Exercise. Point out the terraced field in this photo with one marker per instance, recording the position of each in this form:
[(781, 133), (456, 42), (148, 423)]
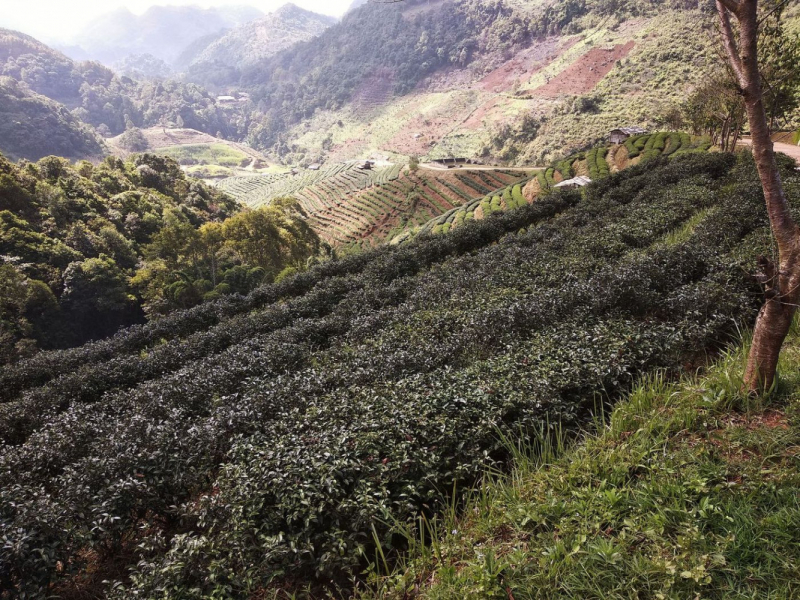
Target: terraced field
[(348, 206), (596, 163)]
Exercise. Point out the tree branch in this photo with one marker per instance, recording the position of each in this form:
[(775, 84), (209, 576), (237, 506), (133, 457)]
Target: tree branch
[(729, 40), (731, 5)]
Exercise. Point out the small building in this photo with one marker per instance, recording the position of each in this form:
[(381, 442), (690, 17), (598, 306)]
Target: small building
[(618, 136), (576, 182), (367, 166), (314, 167), (226, 100), (452, 163)]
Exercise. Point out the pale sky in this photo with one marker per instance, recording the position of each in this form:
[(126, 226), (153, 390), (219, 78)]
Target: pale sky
[(59, 20)]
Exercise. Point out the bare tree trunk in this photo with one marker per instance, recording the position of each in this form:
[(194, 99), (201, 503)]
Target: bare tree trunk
[(782, 284)]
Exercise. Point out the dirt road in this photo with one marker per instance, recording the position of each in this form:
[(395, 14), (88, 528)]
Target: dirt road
[(431, 167), (787, 149)]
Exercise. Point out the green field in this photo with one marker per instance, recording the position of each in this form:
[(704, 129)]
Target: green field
[(206, 154)]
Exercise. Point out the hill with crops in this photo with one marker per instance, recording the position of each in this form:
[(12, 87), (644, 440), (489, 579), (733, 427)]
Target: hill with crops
[(596, 163), (351, 207), (267, 443), (511, 81)]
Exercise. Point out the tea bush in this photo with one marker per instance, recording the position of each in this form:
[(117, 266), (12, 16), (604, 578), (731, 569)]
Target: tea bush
[(277, 443)]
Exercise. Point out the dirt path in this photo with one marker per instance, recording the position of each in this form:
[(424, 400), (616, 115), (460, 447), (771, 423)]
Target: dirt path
[(787, 149), (430, 167)]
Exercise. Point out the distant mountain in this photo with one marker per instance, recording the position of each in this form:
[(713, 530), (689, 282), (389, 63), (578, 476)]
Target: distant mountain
[(356, 4), (162, 31), (32, 126), (143, 66), (96, 95), (221, 61)]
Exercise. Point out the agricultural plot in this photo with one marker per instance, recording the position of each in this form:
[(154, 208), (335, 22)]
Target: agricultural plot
[(263, 443), (595, 163), (348, 206)]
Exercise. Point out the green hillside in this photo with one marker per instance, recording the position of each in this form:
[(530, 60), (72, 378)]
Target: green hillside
[(516, 81), (354, 208), (596, 163), (264, 443), (32, 126)]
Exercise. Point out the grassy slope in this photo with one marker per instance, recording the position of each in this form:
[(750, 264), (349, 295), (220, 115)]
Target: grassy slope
[(689, 491)]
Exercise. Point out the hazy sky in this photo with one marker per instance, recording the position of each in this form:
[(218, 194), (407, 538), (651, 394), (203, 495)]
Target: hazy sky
[(58, 20)]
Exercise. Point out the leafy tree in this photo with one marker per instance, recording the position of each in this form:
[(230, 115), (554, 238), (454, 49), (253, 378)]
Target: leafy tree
[(271, 237), (781, 281), (96, 297), (133, 140)]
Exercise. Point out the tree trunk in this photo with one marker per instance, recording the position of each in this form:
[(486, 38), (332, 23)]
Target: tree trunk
[(782, 284), (772, 327)]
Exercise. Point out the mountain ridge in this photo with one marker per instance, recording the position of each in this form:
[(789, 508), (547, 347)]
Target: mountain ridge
[(163, 31), (242, 47)]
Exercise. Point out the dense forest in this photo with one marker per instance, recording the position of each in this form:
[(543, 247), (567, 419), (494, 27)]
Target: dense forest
[(33, 126), (267, 442), (87, 249)]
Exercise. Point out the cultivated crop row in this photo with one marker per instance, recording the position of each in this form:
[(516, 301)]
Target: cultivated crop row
[(289, 450)]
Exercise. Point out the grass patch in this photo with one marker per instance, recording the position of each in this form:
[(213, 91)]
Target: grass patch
[(688, 490), (209, 171), (206, 154)]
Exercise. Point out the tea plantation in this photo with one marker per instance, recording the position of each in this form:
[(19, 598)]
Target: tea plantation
[(267, 442)]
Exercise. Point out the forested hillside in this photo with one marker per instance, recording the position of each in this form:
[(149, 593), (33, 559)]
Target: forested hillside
[(222, 61), (325, 73), (110, 103), (264, 443), (32, 126), (471, 65), (87, 249)]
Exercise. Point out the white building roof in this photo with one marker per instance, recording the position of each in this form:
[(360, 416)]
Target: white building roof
[(580, 181), (630, 130)]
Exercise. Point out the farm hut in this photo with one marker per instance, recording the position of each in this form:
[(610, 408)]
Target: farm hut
[(367, 166), (618, 136), (314, 167), (453, 162), (577, 182)]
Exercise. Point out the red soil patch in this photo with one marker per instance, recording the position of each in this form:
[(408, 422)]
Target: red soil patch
[(475, 120), (584, 74), (524, 64)]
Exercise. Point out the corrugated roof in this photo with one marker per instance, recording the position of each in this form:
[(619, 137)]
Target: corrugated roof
[(630, 130), (579, 181)]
